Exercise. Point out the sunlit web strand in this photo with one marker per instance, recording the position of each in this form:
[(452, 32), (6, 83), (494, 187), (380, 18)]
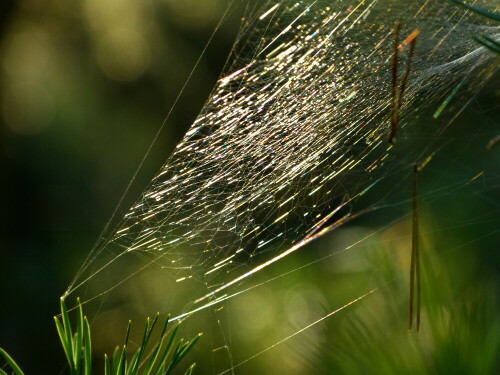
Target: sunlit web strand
[(300, 331), (293, 130)]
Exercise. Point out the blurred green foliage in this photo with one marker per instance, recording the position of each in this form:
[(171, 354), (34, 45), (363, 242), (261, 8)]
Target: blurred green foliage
[(84, 87)]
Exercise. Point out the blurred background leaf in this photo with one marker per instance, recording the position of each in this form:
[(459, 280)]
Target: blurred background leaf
[(84, 87)]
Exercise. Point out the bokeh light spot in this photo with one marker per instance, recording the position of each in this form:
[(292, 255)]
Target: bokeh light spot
[(27, 108), (123, 55)]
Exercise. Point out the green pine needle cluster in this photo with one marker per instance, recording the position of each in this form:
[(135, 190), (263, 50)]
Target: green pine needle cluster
[(165, 355), (485, 40)]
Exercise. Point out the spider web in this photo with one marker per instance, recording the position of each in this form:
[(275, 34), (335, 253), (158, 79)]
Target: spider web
[(293, 141)]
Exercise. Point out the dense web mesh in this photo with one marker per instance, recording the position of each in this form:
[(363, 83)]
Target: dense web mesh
[(292, 138)]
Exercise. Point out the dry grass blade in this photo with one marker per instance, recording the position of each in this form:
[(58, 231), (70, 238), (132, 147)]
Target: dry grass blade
[(394, 93), (397, 97), (415, 282)]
